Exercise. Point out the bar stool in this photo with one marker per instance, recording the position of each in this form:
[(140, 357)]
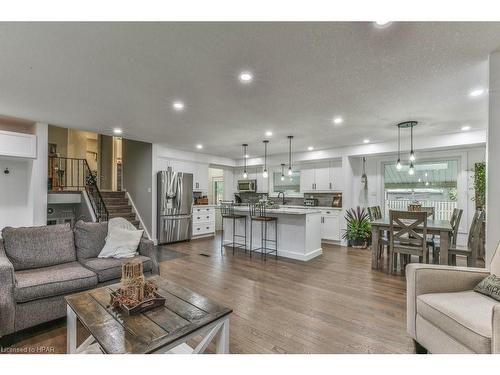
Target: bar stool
[(227, 212), (258, 213)]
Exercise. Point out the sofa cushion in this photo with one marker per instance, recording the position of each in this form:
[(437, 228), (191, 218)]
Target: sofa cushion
[(465, 316), (111, 268), (52, 281), (34, 247), (89, 238)]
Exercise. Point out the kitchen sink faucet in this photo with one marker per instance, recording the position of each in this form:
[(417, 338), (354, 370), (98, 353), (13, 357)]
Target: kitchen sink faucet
[(283, 197)]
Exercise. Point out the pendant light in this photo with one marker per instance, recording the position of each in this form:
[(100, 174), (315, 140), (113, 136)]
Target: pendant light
[(282, 171), (290, 137), (412, 153), (245, 174), (406, 125), (265, 174), (398, 164)]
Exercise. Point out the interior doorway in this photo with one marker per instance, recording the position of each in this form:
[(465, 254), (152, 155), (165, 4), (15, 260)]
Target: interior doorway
[(216, 192)]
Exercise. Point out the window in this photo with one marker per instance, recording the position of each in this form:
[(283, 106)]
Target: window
[(290, 185), (434, 184)]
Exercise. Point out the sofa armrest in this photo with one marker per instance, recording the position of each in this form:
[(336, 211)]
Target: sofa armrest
[(495, 334), (148, 249), (430, 278), (7, 303)]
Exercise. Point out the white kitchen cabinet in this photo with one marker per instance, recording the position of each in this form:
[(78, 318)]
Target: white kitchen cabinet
[(330, 225), (262, 183), (198, 170), (307, 179), (337, 178), (321, 177), (17, 144), (200, 177), (203, 221)]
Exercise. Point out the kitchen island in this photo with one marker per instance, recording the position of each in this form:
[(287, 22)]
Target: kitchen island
[(299, 231)]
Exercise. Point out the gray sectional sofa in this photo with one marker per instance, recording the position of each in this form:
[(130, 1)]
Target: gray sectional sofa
[(40, 265)]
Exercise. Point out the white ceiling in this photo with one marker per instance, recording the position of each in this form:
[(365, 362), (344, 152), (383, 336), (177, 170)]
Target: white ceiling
[(96, 76)]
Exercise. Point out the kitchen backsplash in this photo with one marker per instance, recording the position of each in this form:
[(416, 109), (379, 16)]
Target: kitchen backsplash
[(324, 199)]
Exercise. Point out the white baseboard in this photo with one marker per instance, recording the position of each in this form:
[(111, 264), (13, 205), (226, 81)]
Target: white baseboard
[(292, 255)]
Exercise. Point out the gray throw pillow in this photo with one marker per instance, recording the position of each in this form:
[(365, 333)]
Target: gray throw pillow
[(490, 287)]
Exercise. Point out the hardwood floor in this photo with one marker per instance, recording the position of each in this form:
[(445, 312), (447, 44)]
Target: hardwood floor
[(332, 304)]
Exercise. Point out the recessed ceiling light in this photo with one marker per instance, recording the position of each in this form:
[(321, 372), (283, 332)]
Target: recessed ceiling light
[(199, 147), (338, 120), (117, 131), (366, 141), (310, 148), (246, 77), (382, 24), (476, 93), (178, 105), (269, 133), (465, 128)]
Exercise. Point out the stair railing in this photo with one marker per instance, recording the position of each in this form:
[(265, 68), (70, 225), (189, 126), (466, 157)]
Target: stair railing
[(72, 174)]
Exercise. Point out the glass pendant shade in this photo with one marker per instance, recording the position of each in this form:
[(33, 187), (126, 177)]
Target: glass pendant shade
[(412, 156), (411, 171), (398, 165), (245, 155), (265, 174), (282, 172), (290, 171)]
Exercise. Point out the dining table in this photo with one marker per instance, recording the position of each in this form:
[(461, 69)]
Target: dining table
[(441, 228)]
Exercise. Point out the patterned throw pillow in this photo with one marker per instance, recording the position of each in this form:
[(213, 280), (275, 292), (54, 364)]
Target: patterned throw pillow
[(490, 286)]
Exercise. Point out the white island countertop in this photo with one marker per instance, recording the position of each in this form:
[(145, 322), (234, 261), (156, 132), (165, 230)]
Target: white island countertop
[(282, 210)]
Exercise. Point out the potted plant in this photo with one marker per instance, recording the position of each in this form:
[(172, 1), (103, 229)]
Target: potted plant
[(358, 230)]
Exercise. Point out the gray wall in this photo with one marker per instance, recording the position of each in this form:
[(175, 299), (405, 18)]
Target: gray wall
[(105, 162), (137, 170)]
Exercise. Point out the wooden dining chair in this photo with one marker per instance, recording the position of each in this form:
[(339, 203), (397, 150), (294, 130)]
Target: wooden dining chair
[(431, 211), (455, 219), (375, 213), (473, 242), (407, 237)]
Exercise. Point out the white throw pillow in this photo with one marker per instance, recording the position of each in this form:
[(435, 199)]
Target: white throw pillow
[(122, 240)]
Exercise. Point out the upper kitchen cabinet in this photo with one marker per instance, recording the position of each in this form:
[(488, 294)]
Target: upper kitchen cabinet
[(200, 177), (17, 144), (199, 171), (321, 177)]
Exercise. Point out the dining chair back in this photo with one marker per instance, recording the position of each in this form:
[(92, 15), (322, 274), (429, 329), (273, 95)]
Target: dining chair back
[(474, 232), (456, 216), (374, 213), (431, 211), (407, 236)]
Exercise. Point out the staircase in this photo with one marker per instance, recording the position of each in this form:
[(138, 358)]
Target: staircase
[(118, 205)]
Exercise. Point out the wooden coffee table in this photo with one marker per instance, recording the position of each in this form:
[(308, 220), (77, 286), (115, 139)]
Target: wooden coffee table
[(165, 329)]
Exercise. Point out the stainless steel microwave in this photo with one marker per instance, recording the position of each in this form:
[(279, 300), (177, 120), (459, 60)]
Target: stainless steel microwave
[(247, 186)]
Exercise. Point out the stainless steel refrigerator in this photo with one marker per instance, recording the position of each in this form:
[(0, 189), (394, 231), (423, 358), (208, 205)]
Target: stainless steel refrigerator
[(175, 201)]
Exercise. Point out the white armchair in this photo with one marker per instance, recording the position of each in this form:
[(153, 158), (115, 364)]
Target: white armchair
[(445, 315)]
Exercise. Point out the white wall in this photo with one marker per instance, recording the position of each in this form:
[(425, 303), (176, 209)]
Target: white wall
[(23, 192), (493, 157)]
